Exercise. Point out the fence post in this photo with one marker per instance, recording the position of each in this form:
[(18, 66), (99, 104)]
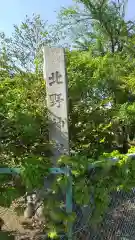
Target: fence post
[(69, 202)]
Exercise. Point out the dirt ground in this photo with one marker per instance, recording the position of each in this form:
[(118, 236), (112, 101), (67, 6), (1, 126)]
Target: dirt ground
[(16, 227)]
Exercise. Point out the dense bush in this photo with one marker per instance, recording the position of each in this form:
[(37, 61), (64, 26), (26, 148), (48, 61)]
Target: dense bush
[(101, 83), (101, 100), (24, 127)]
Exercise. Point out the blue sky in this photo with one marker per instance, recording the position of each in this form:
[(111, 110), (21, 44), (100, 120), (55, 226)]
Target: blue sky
[(14, 11)]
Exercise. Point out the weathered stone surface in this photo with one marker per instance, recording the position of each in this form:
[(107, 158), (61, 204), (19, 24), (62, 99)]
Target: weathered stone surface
[(57, 99)]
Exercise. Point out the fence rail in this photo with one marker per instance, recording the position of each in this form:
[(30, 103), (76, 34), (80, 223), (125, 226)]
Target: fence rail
[(121, 211)]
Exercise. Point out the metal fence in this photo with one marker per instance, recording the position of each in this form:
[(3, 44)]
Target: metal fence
[(15, 228), (118, 223)]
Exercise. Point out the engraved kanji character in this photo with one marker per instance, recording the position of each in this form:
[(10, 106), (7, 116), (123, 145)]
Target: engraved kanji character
[(55, 99), (55, 78)]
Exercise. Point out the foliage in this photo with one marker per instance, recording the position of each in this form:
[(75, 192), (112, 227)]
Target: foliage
[(101, 103), (97, 25), (24, 144), (101, 108), (100, 91), (24, 47), (95, 181), (23, 125)]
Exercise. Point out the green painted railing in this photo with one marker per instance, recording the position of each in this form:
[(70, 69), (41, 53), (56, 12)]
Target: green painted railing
[(65, 171)]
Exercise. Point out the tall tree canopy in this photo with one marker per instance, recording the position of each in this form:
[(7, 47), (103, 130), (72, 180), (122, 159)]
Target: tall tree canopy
[(24, 48), (99, 25), (101, 82)]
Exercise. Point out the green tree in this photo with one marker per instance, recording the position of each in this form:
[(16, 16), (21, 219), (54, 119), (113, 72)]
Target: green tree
[(98, 25), (101, 91), (24, 47), (23, 121), (109, 38), (101, 100)]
